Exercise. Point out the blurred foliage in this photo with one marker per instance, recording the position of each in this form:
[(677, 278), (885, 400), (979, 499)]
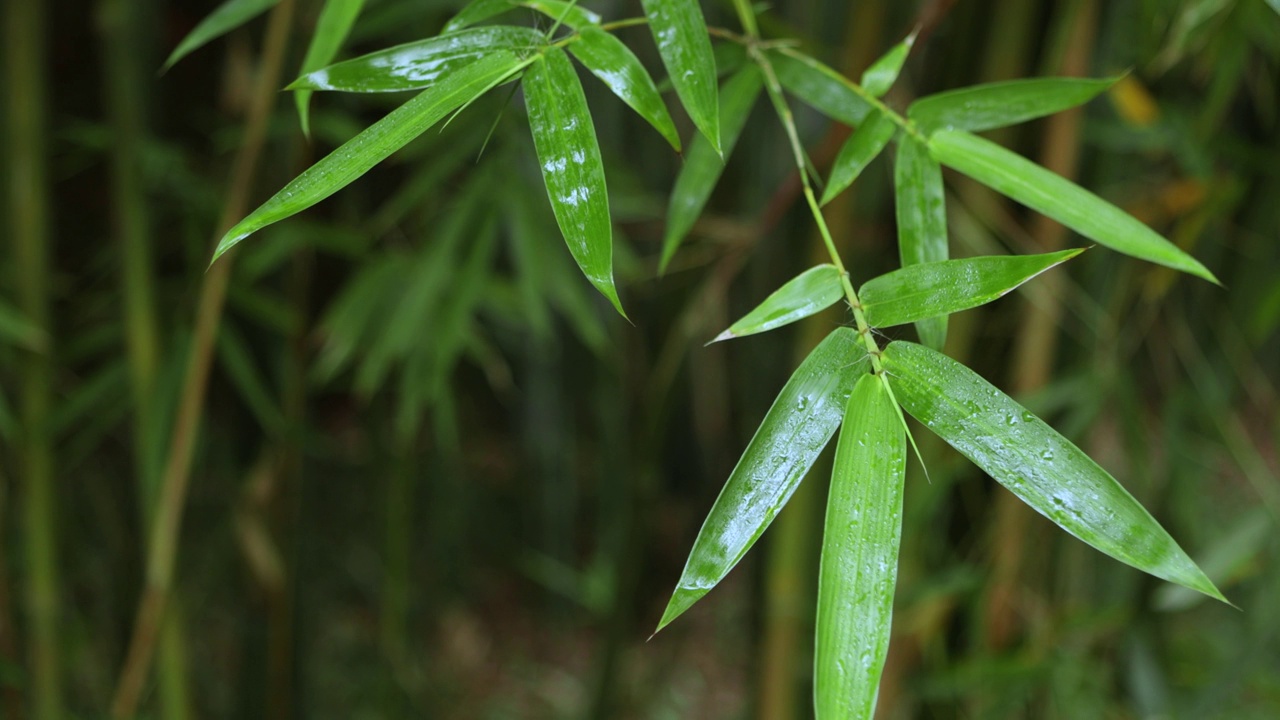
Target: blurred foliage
[(437, 477)]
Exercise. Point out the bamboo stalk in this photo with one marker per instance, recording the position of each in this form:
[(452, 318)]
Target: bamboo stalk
[(28, 195), (173, 489)]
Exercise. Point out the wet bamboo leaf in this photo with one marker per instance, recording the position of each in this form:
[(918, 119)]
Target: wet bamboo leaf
[(1034, 462), (922, 221), (569, 14), (803, 418), (685, 48), (1275, 5), (332, 27), (376, 143), (808, 293), (613, 62), (1046, 192), (571, 166), (820, 87), (858, 151), (859, 568), (994, 105), (419, 65), (226, 17), (477, 11), (702, 165), (919, 292), (884, 72)]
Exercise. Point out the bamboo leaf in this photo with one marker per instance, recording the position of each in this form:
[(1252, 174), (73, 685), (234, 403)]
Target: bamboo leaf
[(994, 105), (477, 11), (685, 48), (1034, 462), (859, 568), (419, 65), (571, 14), (808, 293), (703, 166), (355, 157), (820, 87), (803, 418), (332, 27), (884, 72), (613, 62), (922, 221), (936, 289), (571, 166), (1046, 192), (16, 329), (858, 151), (226, 17)]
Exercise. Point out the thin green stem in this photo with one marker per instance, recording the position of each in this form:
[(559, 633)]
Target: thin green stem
[(747, 16)]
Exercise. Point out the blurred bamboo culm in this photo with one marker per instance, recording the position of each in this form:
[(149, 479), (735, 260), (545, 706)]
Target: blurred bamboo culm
[(28, 212)]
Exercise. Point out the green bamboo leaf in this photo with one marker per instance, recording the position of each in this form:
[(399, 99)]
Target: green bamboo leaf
[(332, 27), (919, 292), (571, 166), (613, 62), (226, 17), (820, 87), (477, 11), (857, 152), (884, 72), (685, 48), (859, 568), (419, 65), (1040, 466), (17, 330), (703, 165), (1046, 192), (570, 14), (994, 105), (795, 430), (1275, 5), (808, 293), (922, 221), (355, 157)]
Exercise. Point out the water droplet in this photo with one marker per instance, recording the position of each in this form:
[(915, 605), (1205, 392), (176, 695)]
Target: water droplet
[(1046, 455)]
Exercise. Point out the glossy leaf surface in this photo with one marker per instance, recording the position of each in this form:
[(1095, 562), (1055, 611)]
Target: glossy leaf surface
[(808, 293), (803, 418), (226, 17), (355, 157), (863, 146), (477, 11), (336, 19), (565, 139), (994, 105), (569, 14), (918, 292), (922, 221), (419, 65), (1034, 462), (1011, 174), (878, 78), (613, 62), (859, 568), (685, 48), (702, 165), (819, 86)]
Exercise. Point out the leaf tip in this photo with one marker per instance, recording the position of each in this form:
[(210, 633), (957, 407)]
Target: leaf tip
[(726, 335)]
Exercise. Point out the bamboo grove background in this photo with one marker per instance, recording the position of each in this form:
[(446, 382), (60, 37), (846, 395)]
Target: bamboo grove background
[(433, 475)]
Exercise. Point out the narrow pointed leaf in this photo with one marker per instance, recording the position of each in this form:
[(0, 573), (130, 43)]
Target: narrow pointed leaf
[(1046, 192), (477, 11), (884, 72), (795, 430), (808, 293), (685, 48), (355, 157), (613, 62), (936, 289), (863, 146), (1040, 466), (994, 105), (820, 87), (571, 166), (226, 17), (702, 165), (419, 65), (571, 15), (332, 27), (922, 221), (859, 568)]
